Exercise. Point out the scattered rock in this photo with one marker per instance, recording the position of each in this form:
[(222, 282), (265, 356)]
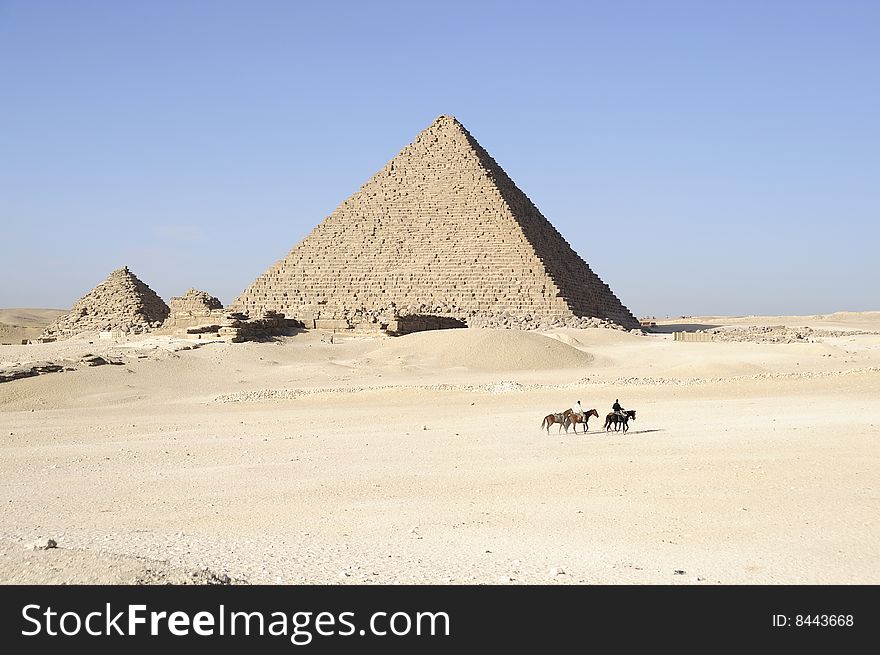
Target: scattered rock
[(42, 544), (93, 360)]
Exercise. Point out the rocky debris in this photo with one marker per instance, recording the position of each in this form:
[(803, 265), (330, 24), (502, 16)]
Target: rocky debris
[(208, 577), (507, 386), (98, 360), (117, 356), (28, 370), (42, 561), (555, 571), (270, 325), (235, 327), (531, 322), (776, 334), (41, 544), (121, 303)]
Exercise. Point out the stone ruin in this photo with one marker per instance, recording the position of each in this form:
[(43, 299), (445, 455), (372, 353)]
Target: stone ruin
[(195, 303), (192, 309), (440, 237), (222, 325), (198, 314), (120, 303)]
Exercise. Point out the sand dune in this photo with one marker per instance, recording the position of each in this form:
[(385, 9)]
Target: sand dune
[(29, 317), (485, 350), (16, 325)]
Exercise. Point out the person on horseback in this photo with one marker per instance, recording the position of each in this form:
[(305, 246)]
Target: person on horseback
[(579, 409), (617, 409)]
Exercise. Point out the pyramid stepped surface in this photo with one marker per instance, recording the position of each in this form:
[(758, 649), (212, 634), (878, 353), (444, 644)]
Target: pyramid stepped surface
[(121, 302), (440, 229)]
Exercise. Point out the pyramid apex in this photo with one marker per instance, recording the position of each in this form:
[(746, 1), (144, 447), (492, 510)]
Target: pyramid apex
[(445, 119)]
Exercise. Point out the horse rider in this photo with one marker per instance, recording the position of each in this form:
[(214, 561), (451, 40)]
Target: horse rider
[(579, 410), (618, 409)]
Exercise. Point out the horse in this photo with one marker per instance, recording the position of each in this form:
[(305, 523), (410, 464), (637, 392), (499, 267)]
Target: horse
[(550, 419), (615, 419), (576, 417)]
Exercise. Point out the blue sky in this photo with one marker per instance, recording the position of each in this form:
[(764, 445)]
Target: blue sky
[(703, 157)]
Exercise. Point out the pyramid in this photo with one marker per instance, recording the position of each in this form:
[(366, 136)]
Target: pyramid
[(195, 302), (439, 230), (121, 302)]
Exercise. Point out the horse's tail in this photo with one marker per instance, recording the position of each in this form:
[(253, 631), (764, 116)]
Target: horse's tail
[(544, 422)]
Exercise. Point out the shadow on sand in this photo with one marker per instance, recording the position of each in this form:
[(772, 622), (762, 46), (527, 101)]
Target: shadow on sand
[(628, 432)]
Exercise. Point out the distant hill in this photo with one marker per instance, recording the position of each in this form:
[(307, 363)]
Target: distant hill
[(17, 324)]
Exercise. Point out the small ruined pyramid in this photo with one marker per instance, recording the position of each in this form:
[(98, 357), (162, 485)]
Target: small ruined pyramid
[(195, 302), (121, 302), (440, 230)]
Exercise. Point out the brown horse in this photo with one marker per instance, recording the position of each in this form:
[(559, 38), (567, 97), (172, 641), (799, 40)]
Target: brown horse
[(550, 419), (574, 418), (616, 420)]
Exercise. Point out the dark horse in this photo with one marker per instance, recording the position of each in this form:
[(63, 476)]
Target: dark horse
[(616, 420), (574, 418)]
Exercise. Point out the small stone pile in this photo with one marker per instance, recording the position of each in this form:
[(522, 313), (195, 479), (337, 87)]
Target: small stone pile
[(121, 302), (192, 309)]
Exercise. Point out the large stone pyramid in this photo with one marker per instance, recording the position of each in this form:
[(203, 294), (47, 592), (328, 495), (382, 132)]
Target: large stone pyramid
[(121, 302), (440, 230)]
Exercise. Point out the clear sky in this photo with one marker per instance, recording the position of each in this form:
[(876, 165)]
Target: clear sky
[(704, 156)]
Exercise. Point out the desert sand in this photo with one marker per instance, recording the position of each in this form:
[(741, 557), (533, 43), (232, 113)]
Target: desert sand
[(16, 325), (419, 459)]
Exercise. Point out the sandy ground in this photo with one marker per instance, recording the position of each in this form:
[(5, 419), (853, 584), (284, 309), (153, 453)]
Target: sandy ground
[(19, 324), (420, 459)]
